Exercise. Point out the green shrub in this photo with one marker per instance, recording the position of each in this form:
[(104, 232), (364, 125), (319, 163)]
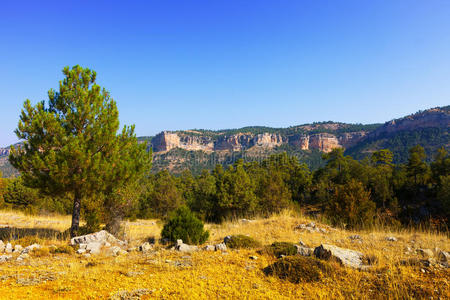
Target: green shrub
[(183, 224), (298, 269), (62, 249), (281, 248), (242, 241), (351, 206)]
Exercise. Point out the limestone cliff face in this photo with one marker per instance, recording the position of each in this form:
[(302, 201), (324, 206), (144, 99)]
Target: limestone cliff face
[(349, 139), (325, 142), (166, 141), (435, 117)]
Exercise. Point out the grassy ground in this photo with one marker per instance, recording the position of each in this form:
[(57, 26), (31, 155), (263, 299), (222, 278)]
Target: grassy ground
[(209, 275)]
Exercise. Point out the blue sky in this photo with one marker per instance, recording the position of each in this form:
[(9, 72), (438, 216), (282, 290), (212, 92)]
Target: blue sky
[(227, 64)]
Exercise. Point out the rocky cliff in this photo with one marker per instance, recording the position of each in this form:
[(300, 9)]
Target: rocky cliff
[(432, 118), (325, 142)]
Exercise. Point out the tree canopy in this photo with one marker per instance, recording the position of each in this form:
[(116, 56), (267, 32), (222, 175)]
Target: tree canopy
[(72, 146)]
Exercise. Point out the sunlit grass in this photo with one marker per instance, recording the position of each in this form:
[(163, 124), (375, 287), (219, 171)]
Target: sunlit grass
[(234, 275)]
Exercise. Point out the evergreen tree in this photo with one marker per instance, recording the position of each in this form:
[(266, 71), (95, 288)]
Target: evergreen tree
[(72, 146), (417, 168)]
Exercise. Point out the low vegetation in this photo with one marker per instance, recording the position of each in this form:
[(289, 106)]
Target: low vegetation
[(298, 269), (246, 273), (185, 226)]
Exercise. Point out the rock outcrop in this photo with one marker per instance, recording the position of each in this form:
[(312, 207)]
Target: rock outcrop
[(435, 117), (347, 257), (325, 142)]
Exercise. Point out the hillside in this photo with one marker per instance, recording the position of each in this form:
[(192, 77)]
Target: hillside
[(407, 264), (199, 149)]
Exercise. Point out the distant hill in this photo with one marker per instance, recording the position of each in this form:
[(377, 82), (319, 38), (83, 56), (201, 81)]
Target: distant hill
[(199, 149)]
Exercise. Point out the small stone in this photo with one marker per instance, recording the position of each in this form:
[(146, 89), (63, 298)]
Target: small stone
[(186, 248), (423, 270), (209, 248), (4, 258), (18, 248), (145, 247), (304, 251), (355, 237), (22, 256), (220, 247), (444, 256), (253, 257), (8, 248), (390, 239), (425, 252)]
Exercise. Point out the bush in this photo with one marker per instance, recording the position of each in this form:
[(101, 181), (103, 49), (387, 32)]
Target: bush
[(298, 269), (40, 252), (242, 241), (62, 249), (281, 248), (351, 206), (183, 224)]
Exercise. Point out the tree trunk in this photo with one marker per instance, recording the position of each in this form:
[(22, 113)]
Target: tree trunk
[(75, 215)]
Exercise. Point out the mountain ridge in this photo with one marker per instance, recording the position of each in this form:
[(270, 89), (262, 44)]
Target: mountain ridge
[(195, 149)]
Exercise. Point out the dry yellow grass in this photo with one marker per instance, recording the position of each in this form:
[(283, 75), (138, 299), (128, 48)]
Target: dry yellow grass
[(214, 275)]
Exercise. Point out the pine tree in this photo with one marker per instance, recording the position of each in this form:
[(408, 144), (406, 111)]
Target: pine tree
[(72, 147)]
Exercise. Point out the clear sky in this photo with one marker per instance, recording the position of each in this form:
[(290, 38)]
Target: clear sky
[(227, 64)]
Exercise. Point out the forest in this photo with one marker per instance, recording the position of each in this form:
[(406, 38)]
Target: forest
[(345, 192)]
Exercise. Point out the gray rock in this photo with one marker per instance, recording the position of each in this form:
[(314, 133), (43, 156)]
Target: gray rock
[(444, 256), (425, 252), (23, 256), (355, 237), (94, 247), (391, 238), (145, 247), (30, 248), (18, 248), (304, 251), (100, 237), (220, 247), (179, 242), (347, 257), (2, 246), (209, 248), (81, 250), (8, 248), (5, 258), (116, 250), (185, 248)]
